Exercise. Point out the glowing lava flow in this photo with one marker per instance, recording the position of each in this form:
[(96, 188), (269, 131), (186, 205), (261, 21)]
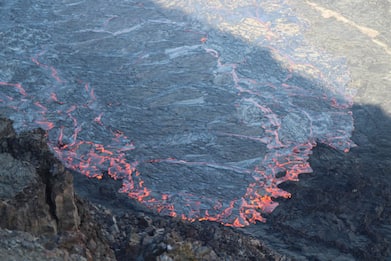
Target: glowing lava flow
[(273, 108), (93, 159)]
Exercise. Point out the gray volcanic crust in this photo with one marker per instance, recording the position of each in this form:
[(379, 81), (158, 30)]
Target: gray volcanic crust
[(199, 109)]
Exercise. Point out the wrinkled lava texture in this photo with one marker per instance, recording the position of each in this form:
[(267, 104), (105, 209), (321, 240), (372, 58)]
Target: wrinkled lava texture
[(201, 108)]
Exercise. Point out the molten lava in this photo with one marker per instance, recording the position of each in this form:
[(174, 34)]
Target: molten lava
[(267, 105)]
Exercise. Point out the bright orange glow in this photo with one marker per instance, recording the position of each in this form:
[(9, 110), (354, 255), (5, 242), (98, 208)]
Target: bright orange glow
[(45, 125), (55, 74), (17, 86), (237, 223), (203, 39)]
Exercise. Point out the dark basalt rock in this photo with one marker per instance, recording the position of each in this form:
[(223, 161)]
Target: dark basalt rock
[(37, 197)]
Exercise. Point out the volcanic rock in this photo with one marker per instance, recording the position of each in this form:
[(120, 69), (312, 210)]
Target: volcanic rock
[(40, 217), (43, 219)]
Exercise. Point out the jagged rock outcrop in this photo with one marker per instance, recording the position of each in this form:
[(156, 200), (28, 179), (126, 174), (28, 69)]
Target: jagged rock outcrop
[(37, 197)]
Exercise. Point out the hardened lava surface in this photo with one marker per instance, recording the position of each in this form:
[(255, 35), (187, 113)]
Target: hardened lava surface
[(200, 108)]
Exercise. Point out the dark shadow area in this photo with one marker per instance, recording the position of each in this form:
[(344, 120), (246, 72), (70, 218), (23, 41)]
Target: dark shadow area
[(341, 210), (343, 207)]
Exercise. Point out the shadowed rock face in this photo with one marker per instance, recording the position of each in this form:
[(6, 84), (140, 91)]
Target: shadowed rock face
[(37, 197), (15, 176), (38, 189)]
